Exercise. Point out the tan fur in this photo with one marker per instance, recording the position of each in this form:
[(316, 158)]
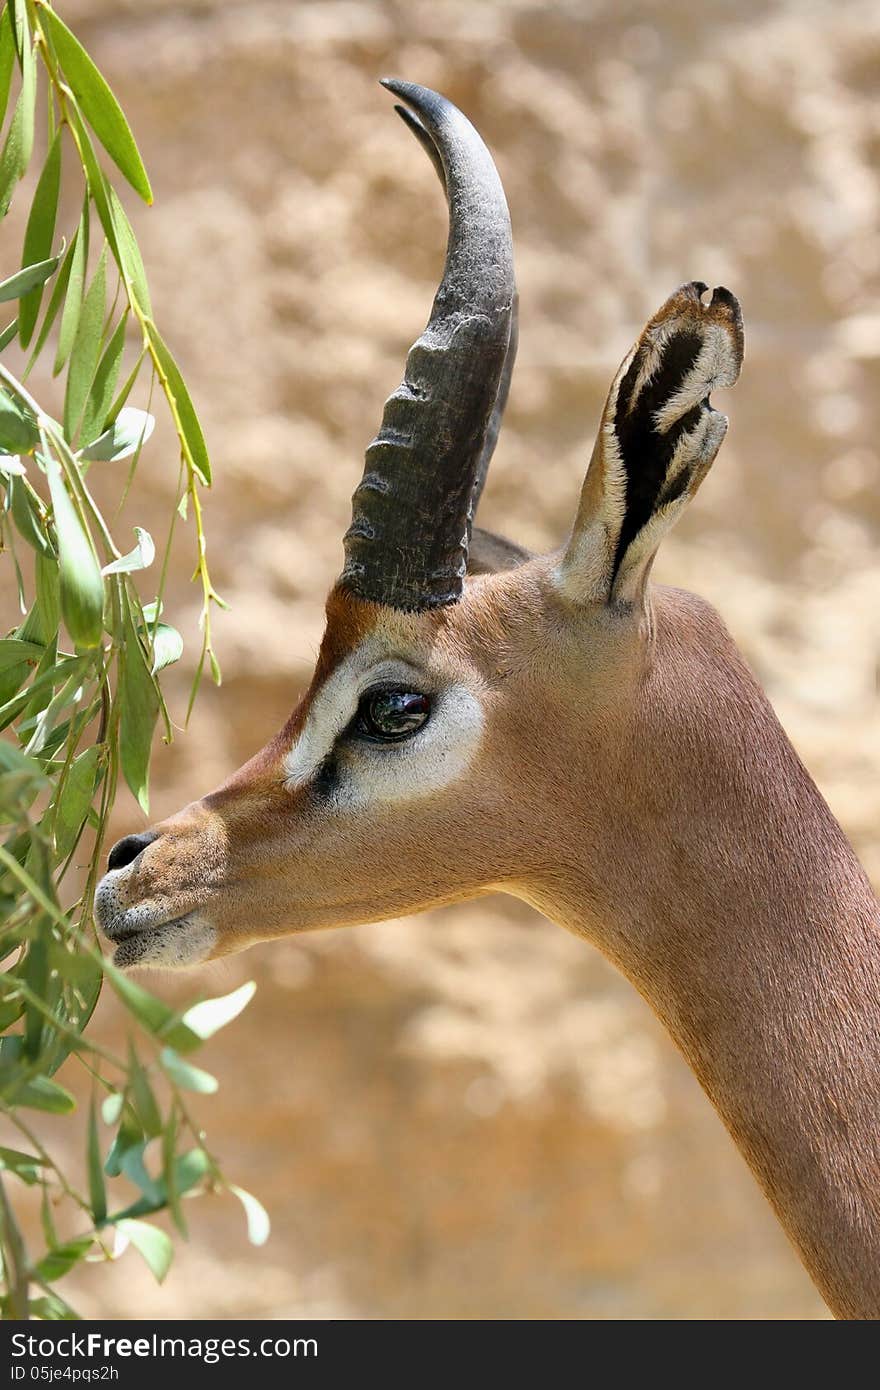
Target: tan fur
[(633, 783)]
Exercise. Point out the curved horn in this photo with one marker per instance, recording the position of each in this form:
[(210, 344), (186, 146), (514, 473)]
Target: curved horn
[(411, 513)]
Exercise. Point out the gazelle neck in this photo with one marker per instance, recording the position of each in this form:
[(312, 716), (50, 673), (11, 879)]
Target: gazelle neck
[(735, 904)]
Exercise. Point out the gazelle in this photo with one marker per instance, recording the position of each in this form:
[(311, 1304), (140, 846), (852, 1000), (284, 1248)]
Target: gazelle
[(559, 728)]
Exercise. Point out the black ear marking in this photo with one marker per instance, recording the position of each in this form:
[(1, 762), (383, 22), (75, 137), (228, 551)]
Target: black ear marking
[(686, 350)]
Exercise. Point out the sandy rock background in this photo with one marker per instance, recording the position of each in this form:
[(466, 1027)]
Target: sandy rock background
[(469, 1114)]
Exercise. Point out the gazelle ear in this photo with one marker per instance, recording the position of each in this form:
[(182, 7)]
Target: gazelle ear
[(656, 442)]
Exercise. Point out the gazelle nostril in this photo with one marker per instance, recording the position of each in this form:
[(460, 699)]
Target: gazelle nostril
[(127, 850)]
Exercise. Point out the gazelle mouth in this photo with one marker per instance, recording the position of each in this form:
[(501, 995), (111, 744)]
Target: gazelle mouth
[(182, 941)]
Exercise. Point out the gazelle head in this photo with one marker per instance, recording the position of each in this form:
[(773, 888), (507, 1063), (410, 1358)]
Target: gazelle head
[(463, 687)]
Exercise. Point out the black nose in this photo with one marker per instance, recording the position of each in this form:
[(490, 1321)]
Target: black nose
[(124, 851)]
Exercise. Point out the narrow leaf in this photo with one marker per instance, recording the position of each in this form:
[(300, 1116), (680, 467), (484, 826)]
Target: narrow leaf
[(210, 1015), (152, 1243), (7, 59), (97, 1188), (42, 1094), (40, 234), (62, 1259), (140, 558), (27, 278), (139, 703), (127, 253), (86, 349), (8, 334), (27, 1167), (73, 299), (167, 646), (185, 1074), (82, 588), (192, 441), (128, 432), (142, 1096), (104, 384), (19, 142), (98, 104), (257, 1216)]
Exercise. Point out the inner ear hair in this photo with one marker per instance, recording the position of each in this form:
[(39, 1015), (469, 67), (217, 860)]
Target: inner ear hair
[(489, 553)]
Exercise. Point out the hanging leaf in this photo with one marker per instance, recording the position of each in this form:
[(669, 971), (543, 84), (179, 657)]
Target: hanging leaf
[(27, 1167), (167, 646), (127, 253), (140, 558), (8, 334), (7, 59), (139, 703), (62, 1259), (42, 1094), (152, 1243), (128, 432), (207, 1018), (39, 236), (82, 588), (27, 278), (56, 299), (19, 142), (184, 1074), (97, 1188), (142, 1096), (257, 1217), (192, 441), (18, 430), (76, 797), (98, 104), (101, 395), (73, 299), (86, 349)]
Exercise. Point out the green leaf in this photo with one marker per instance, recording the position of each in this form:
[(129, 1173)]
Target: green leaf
[(82, 588), (153, 1013), (18, 432), (140, 558), (7, 59), (36, 977), (257, 1216), (27, 278), (52, 1308), (42, 1094), (97, 1187), (139, 704), (62, 1259), (142, 1096), (72, 807), (56, 299), (188, 1171), (210, 1015), (8, 334), (184, 1074), (98, 104), (111, 1107), (27, 1167), (39, 236), (27, 513), (167, 646), (19, 142), (152, 1243), (192, 441), (13, 650), (101, 395), (127, 253), (86, 349), (73, 299), (131, 429)]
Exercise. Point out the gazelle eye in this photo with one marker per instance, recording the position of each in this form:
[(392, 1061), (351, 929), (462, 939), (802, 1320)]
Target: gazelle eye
[(391, 715)]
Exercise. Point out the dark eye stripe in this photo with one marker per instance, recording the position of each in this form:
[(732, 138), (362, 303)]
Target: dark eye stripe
[(387, 715)]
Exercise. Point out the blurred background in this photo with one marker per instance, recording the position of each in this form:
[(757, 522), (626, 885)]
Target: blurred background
[(469, 1115)]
